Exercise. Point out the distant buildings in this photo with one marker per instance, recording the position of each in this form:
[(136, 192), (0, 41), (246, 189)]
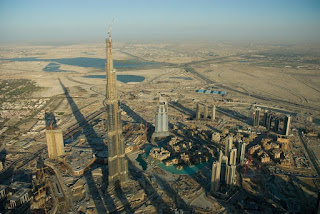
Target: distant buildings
[(161, 118), (286, 127), (256, 117), (205, 115), (269, 121), (272, 122)]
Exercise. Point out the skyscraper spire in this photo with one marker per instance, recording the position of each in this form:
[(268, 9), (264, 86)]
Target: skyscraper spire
[(117, 163)]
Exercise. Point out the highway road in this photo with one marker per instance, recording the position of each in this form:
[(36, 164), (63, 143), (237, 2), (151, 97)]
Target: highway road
[(209, 81), (312, 158)]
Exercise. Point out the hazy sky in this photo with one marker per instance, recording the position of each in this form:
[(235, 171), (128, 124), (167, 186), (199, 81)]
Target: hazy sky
[(86, 21)]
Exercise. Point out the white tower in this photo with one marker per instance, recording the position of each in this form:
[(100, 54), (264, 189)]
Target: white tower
[(161, 118)]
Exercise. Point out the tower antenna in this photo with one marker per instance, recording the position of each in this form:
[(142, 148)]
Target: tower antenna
[(110, 27)]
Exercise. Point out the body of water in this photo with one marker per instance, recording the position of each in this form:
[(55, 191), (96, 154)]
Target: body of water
[(188, 170), (142, 162), (87, 62), (53, 67), (121, 78)]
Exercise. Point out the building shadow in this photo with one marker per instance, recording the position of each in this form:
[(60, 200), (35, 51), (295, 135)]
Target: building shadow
[(93, 191), (123, 199), (235, 115), (145, 183), (90, 133), (177, 200), (182, 109), (179, 105), (213, 128), (3, 155), (138, 119), (80, 118)]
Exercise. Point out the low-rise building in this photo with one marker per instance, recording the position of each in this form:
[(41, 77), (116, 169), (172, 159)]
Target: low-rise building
[(253, 149), (276, 154), (159, 153), (22, 196), (265, 158)]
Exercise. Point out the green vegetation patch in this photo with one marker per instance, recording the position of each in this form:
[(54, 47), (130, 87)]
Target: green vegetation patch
[(18, 87)]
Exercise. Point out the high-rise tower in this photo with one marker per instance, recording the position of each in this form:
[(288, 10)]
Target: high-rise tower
[(117, 163), (161, 118), (198, 114), (205, 110), (213, 117), (233, 156), (242, 152), (228, 143), (256, 117), (215, 177), (286, 127)]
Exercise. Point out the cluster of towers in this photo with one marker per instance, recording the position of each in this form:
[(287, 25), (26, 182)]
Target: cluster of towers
[(205, 114), (271, 121), (224, 169)]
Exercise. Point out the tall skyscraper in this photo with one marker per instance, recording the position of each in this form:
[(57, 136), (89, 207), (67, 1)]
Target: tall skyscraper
[(224, 164), (233, 156), (117, 163), (220, 156), (230, 177), (265, 116), (276, 124), (256, 117), (205, 110), (215, 178), (286, 127), (228, 147), (198, 113), (213, 117), (269, 121), (242, 153), (55, 143), (161, 119)]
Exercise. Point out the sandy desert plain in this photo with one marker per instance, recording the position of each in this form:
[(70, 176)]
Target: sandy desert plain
[(276, 76), (286, 76)]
